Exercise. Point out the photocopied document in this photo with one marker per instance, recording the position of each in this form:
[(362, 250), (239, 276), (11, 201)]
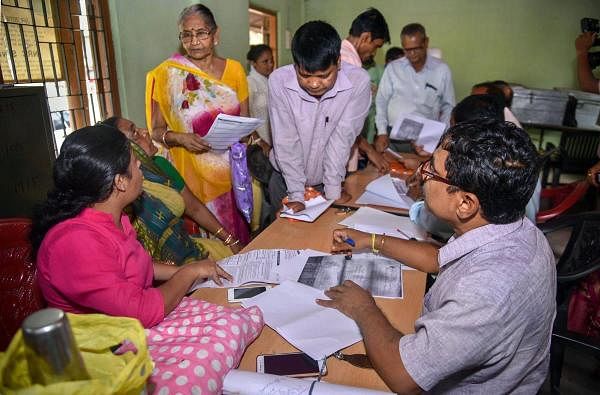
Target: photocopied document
[(240, 382), (370, 220), (258, 266), (313, 209), (290, 309), (422, 131), (229, 129), (381, 276), (386, 191)]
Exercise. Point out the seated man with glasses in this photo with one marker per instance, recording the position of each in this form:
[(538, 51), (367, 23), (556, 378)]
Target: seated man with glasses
[(486, 322), (415, 84)]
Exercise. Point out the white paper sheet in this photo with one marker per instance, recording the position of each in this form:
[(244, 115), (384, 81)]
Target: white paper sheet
[(290, 309), (370, 220), (229, 129), (386, 191), (313, 209), (258, 266), (422, 131), (239, 382)]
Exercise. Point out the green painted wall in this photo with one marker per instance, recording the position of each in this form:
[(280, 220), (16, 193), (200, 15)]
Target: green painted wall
[(145, 33), (526, 41)]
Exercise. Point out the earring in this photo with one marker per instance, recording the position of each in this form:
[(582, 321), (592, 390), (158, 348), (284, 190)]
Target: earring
[(215, 42)]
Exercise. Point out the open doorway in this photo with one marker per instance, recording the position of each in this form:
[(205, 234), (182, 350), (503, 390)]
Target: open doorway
[(263, 28)]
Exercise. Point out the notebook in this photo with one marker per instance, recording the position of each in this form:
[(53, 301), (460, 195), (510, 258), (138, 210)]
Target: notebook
[(313, 209)]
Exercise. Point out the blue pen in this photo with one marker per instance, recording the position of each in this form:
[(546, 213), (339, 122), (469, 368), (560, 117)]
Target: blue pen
[(350, 241)]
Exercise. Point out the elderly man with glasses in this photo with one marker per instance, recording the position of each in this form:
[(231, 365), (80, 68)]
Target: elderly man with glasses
[(415, 84), (487, 320)]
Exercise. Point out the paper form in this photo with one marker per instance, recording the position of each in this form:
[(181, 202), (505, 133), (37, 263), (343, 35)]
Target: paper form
[(386, 191), (422, 131), (370, 220), (313, 209), (229, 129)]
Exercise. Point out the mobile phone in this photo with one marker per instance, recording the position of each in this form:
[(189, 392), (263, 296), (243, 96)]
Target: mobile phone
[(238, 294), (296, 364)]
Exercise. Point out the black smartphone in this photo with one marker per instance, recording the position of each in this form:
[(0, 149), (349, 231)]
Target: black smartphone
[(238, 294), (295, 364)]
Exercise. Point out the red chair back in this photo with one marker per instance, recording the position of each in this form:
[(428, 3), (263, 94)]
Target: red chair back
[(19, 293), (561, 199)]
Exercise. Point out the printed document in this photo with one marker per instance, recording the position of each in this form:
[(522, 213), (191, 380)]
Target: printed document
[(370, 220), (313, 209), (290, 309), (386, 191), (261, 266), (381, 276), (257, 266), (422, 131), (229, 129)]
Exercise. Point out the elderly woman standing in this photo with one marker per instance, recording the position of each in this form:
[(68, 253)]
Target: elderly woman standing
[(184, 95)]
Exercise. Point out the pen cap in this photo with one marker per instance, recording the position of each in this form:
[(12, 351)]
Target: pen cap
[(50, 348)]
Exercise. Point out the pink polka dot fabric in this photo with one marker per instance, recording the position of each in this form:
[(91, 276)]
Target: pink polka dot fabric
[(195, 346)]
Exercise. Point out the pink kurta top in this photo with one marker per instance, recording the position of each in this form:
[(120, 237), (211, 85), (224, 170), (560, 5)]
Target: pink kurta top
[(87, 264)]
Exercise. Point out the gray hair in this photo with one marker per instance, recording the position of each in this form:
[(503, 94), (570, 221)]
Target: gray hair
[(201, 10)]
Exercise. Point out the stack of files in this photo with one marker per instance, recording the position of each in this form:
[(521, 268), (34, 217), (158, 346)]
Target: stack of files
[(370, 220), (291, 311), (386, 191), (313, 209)]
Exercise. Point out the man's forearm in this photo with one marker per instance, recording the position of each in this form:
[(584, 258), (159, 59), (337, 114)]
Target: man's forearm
[(382, 344)]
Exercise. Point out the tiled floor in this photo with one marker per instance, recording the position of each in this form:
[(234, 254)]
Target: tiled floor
[(580, 375)]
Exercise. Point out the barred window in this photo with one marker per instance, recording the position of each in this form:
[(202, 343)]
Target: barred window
[(66, 46)]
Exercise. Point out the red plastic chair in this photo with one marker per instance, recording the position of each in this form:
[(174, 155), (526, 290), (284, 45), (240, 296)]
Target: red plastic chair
[(561, 199), (19, 293)]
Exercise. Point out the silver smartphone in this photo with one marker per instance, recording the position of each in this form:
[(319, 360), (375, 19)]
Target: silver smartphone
[(296, 364)]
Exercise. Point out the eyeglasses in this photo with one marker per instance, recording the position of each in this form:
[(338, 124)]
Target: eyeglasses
[(187, 36), (415, 49), (427, 174)]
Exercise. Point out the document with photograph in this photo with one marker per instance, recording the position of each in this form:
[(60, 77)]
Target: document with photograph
[(227, 130), (381, 276), (386, 191), (422, 131)]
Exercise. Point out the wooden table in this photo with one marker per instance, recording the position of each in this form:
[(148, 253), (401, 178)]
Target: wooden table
[(286, 233)]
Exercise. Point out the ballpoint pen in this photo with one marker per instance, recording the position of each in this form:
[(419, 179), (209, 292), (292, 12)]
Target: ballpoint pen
[(350, 241)]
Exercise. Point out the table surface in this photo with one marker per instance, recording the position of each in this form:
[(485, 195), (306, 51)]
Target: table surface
[(287, 233)]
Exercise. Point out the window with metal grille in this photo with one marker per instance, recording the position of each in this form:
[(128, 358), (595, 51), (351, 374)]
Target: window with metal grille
[(66, 46)]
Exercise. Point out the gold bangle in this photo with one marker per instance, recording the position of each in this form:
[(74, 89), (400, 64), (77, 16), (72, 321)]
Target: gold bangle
[(382, 242), (373, 249), (234, 243), (168, 262), (228, 239), (164, 140), (218, 232)]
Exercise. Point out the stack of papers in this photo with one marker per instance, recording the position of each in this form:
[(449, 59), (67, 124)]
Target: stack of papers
[(422, 131), (370, 220), (313, 209), (386, 191), (290, 309), (261, 266), (229, 129)]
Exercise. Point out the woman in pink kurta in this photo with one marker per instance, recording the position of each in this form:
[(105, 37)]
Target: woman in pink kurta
[(89, 261)]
